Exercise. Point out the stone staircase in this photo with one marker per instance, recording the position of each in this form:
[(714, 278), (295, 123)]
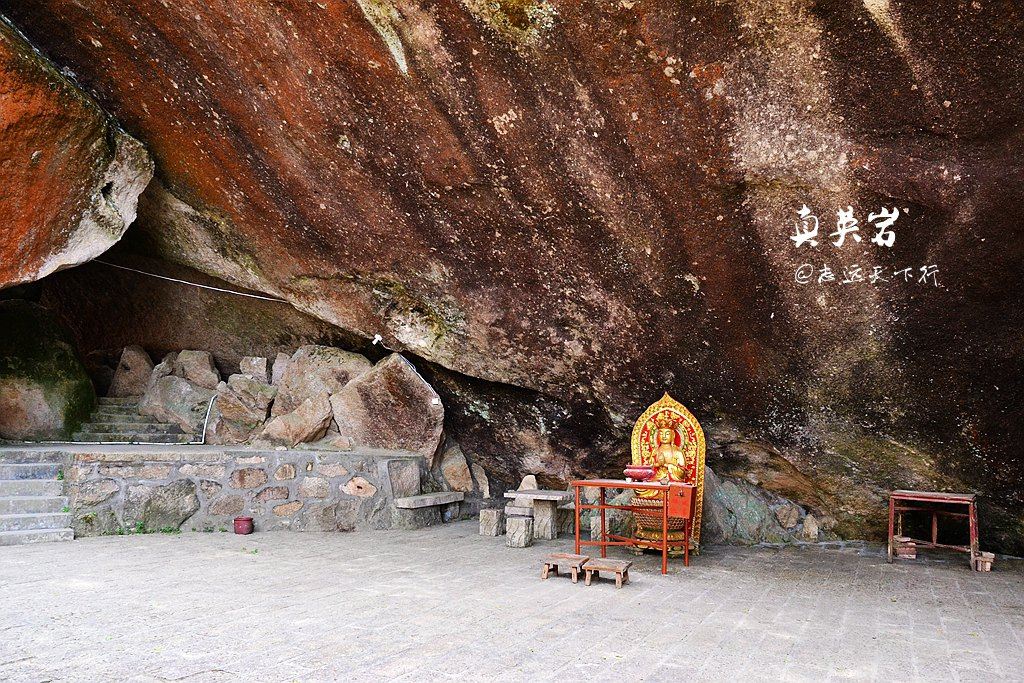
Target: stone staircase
[(33, 508), (117, 420)]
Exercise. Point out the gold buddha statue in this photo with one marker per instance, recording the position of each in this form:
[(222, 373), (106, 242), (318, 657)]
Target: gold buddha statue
[(667, 458), (668, 438)]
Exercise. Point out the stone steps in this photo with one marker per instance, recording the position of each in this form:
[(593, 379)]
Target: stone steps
[(30, 487), (35, 521), (33, 508), (104, 417), (118, 401), (118, 411), (36, 536), (130, 437), (29, 470), (130, 427), (32, 504), (117, 420), (11, 456)]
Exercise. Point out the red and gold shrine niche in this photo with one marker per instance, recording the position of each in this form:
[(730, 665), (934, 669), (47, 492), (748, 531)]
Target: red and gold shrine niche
[(668, 438)]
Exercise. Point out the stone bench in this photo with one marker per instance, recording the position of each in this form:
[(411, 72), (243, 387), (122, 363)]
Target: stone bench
[(437, 507), (425, 500)]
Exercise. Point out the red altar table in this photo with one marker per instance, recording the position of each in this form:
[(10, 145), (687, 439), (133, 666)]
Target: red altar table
[(681, 504), (930, 501)]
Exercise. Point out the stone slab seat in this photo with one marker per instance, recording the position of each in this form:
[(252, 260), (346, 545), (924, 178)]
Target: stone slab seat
[(425, 500), (541, 494)]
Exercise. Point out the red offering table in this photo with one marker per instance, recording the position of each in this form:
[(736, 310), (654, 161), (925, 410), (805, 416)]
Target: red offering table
[(932, 502), (677, 501)]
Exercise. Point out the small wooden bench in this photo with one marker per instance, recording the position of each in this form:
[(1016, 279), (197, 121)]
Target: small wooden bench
[(594, 567), (573, 562)]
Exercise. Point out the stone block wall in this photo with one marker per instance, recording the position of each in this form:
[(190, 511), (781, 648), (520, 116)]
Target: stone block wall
[(188, 489)]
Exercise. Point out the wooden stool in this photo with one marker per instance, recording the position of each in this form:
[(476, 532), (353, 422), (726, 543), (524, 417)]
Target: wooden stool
[(573, 562), (595, 566)]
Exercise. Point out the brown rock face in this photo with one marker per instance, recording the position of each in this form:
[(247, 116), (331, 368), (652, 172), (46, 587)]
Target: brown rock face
[(71, 177), (241, 408), (175, 400), (390, 407), (308, 422), (314, 370), (567, 208), (132, 374)]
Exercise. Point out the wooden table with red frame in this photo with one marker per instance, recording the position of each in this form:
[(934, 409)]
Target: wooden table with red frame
[(681, 504)]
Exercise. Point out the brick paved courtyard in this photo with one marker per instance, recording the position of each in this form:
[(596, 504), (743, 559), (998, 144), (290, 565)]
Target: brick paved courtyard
[(445, 603)]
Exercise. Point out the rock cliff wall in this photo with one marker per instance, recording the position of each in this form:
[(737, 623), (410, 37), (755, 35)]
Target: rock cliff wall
[(566, 208), (71, 176)]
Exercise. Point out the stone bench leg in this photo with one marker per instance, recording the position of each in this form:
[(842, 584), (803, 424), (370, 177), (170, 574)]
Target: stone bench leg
[(450, 512), (492, 522), (545, 519), (518, 532)]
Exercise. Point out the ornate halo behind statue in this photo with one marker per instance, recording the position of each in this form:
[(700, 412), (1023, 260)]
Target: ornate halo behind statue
[(668, 438)]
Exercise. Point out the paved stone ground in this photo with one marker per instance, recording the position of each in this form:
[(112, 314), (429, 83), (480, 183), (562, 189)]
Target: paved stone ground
[(445, 603)]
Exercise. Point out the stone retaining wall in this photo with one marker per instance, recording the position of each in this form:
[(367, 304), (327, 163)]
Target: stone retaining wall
[(204, 491)]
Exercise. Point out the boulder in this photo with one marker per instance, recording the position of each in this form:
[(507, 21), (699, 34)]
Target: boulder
[(280, 365), (227, 505), (45, 392), (308, 422), (254, 367), (160, 507), (455, 469), (528, 483), (738, 512), (175, 400), (132, 374), (241, 408), (390, 407), (314, 370), (162, 369), (405, 477), (100, 522), (96, 491), (197, 367), (483, 485), (809, 530), (71, 176)]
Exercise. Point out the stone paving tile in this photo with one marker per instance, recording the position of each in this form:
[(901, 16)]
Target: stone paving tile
[(446, 604)]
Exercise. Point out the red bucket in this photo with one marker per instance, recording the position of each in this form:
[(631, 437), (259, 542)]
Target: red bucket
[(243, 525)]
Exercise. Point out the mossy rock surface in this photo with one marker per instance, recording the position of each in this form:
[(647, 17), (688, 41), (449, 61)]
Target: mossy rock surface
[(45, 392)]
